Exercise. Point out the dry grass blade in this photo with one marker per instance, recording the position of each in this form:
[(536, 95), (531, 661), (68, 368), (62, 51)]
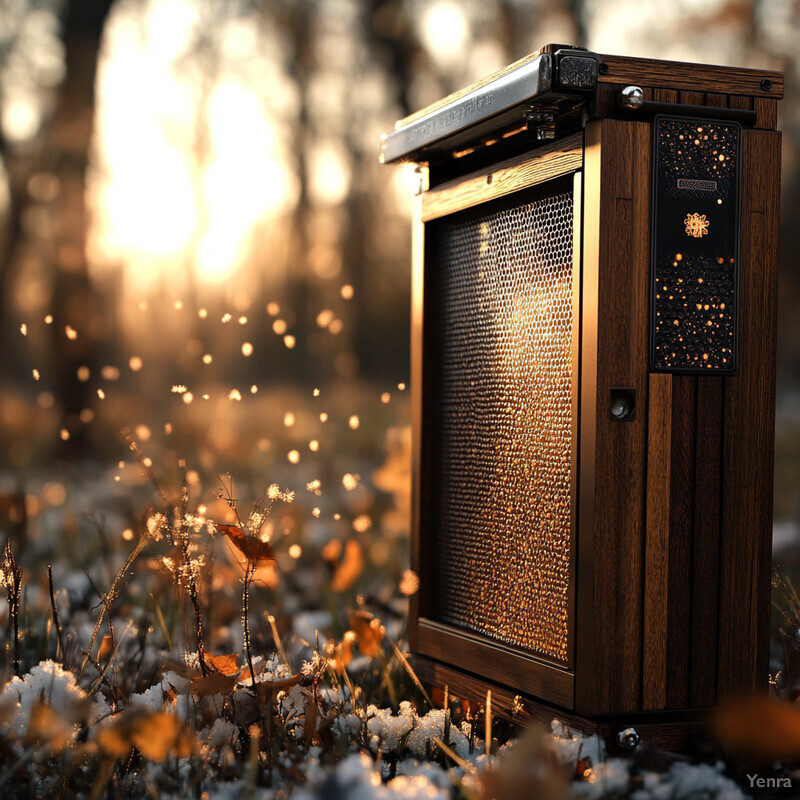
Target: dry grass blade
[(410, 670)]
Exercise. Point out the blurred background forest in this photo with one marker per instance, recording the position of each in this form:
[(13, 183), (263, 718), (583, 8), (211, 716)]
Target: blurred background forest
[(197, 240)]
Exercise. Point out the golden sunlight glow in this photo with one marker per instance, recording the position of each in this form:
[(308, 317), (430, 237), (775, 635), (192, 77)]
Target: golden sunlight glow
[(183, 169), (445, 31)]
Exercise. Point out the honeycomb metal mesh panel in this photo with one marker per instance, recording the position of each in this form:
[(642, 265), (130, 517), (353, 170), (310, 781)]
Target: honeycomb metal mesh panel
[(502, 418), (696, 217)]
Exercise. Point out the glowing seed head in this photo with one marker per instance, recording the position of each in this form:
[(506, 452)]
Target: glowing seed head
[(202, 313), (401, 387), (279, 327), (347, 292), (293, 456), (350, 481), (234, 394), (354, 422), (135, 363), (247, 349), (110, 373), (168, 428), (208, 358), (226, 317), (187, 398), (36, 374), (178, 388), (23, 329), (273, 309), (409, 583), (243, 320), (295, 551), (127, 534), (323, 417), (72, 334), (254, 389), (362, 523), (313, 445), (178, 305), (324, 318), (289, 341), (316, 512), (101, 394), (336, 327), (48, 320), (385, 398), (288, 419), (64, 434)]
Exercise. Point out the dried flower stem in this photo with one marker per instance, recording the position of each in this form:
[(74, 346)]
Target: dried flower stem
[(12, 578), (249, 572), (111, 595), (60, 652)]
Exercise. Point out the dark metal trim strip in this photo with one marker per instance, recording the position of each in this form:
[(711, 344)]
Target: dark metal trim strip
[(649, 108), (525, 83)]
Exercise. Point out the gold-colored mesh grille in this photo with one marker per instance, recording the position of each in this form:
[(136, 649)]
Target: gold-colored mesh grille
[(501, 418)]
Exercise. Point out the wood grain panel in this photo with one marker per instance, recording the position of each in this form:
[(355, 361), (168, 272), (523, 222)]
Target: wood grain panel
[(540, 165), (659, 450), (691, 77), (767, 111), (495, 662), (681, 524), (706, 544), (748, 439), (622, 217)]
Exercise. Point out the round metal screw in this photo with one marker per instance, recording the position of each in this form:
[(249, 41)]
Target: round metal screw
[(629, 739), (632, 97), (603, 69), (619, 408), (766, 84)]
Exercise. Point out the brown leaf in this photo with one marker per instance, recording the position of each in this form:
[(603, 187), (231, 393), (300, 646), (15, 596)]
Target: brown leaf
[(759, 728), (270, 689), (255, 550), (155, 734), (47, 728), (348, 572), (213, 683), (369, 632), (227, 663), (105, 648)]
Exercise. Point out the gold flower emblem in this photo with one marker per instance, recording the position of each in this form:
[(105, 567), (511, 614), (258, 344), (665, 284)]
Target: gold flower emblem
[(696, 225)]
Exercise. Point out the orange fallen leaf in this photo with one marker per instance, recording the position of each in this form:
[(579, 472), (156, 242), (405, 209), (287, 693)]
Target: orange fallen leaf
[(255, 550), (155, 734), (368, 630), (348, 572), (226, 663), (759, 728), (105, 648)]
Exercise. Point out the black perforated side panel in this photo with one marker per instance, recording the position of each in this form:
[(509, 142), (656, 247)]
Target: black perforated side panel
[(500, 305), (695, 246)]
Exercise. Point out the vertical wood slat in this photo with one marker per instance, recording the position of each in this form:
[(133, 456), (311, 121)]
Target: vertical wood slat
[(659, 449), (614, 682), (767, 113), (748, 439), (705, 550), (681, 518)]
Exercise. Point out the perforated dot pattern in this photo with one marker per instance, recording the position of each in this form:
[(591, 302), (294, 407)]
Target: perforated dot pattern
[(501, 405), (694, 273)]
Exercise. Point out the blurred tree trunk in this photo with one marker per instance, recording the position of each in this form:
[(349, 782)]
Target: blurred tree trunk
[(67, 141)]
